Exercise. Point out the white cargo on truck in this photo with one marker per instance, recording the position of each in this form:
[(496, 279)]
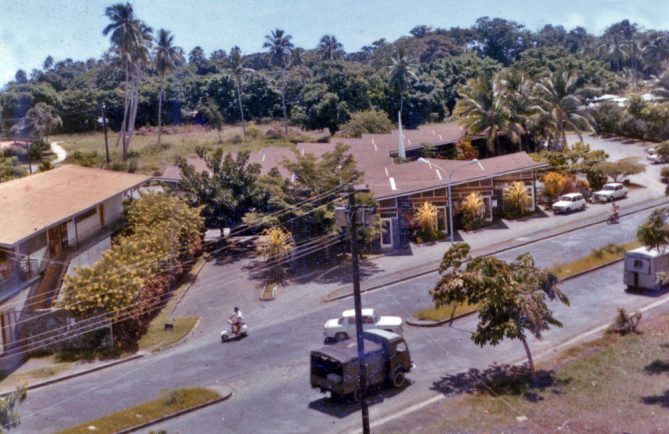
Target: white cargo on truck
[(642, 266)]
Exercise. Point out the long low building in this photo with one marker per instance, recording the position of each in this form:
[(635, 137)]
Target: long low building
[(400, 186), (46, 218)]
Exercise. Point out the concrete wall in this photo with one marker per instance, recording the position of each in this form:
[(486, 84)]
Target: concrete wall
[(113, 208)]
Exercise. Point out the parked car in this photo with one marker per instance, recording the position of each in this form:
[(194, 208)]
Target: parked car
[(339, 329), (611, 192), (568, 203), (654, 158), (335, 368)]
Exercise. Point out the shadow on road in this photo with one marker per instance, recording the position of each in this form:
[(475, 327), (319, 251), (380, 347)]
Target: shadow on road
[(661, 400), (502, 380), (652, 293), (657, 367), (345, 406)]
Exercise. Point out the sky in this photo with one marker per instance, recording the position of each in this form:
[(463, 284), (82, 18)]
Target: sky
[(30, 30)]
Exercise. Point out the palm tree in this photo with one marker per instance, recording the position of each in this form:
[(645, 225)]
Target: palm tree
[(655, 51), (481, 109), (615, 50), (558, 93), (516, 94), (237, 69), (401, 74), (329, 48), (130, 38), (279, 46), (516, 200), (167, 58)]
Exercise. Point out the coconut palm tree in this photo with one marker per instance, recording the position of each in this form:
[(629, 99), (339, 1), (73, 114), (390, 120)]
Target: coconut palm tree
[(655, 51), (558, 93), (237, 68), (519, 102), (615, 50), (279, 46), (167, 58), (130, 38), (402, 72), (481, 109), (330, 48)]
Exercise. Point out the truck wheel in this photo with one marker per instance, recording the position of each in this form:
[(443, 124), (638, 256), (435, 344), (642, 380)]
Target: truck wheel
[(357, 395), (398, 379), (334, 396), (341, 336)]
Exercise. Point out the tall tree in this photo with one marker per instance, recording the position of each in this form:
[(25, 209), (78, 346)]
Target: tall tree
[(48, 63), (517, 97), (130, 39), (280, 48), (167, 58), (35, 126), (330, 48), (402, 73), (481, 109), (558, 93), (237, 69)]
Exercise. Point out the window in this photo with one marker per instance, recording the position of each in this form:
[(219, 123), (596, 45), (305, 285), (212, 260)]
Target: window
[(367, 320), (638, 263), (90, 213)]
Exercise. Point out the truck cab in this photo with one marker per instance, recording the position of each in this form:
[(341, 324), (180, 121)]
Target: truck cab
[(335, 368)]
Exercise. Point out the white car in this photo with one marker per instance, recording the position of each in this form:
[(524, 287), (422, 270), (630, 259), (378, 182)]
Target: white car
[(611, 192), (654, 158), (569, 202), (342, 328)]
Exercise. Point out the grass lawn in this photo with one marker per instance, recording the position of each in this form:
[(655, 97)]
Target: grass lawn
[(169, 403), (598, 258), (613, 384), (153, 158), (156, 336), (51, 368)]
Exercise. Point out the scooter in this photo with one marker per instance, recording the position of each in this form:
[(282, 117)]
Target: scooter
[(242, 332), (613, 219)]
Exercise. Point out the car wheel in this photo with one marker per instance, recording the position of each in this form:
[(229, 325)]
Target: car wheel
[(398, 378), (224, 338), (625, 196), (611, 199), (341, 336), (583, 207)]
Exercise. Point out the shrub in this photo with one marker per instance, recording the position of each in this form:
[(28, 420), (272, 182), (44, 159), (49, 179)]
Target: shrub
[(554, 185), (664, 173), (596, 178), (466, 151), (472, 211), (625, 323), (425, 219), (516, 200), (366, 122)]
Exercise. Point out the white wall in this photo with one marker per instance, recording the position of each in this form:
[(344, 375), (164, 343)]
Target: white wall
[(71, 234), (86, 228), (113, 208)]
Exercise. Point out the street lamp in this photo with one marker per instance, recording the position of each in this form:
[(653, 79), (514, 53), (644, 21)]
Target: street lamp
[(450, 202)]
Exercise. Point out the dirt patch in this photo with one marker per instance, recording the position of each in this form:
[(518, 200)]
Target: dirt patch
[(612, 384)]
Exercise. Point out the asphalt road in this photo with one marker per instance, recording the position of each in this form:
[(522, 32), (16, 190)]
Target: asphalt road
[(269, 370)]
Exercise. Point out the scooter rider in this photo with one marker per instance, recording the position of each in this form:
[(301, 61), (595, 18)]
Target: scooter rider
[(236, 319), (615, 211)]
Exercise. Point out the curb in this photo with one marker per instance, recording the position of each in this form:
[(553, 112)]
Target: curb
[(224, 397), (194, 272), (415, 322), (81, 373), (335, 295)]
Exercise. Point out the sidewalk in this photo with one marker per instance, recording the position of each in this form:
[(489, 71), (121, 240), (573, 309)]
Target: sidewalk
[(426, 260)]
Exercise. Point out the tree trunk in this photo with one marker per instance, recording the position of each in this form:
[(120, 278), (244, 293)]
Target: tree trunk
[(160, 108), (135, 100), (241, 108), (530, 362), (126, 102), (285, 113), (401, 103)]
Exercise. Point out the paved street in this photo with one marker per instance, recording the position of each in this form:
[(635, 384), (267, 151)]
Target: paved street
[(269, 370)]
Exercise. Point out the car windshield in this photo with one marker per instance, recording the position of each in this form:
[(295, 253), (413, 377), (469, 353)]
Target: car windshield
[(609, 187), (566, 198)]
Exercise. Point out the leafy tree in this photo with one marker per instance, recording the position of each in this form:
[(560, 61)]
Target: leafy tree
[(21, 77), (366, 122), (516, 200), (48, 63), (618, 170), (209, 111), (330, 48), (654, 232), (420, 31), (596, 178), (9, 414), (227, 190), (167, 58), (500, 39), (510, 298), (280, 48), (402, 73), (10, 169), (554, 185), (37, 123)]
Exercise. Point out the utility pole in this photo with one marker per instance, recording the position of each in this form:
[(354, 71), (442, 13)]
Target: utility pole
[(104, 127), (358, 308)]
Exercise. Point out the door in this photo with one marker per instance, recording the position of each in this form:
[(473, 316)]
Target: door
[(442, 219), (386, 232), (55, 240)]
